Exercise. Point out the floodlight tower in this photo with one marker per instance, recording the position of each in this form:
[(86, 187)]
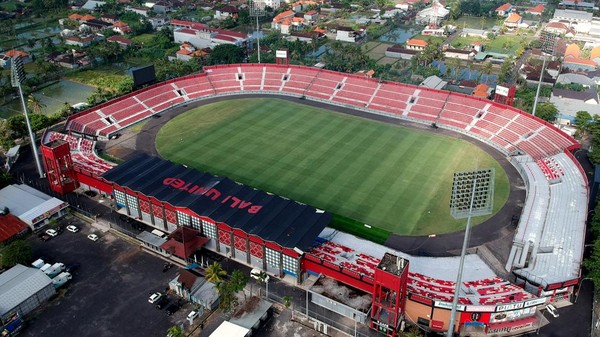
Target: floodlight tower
[(17, 76), (257, 10), (472, 195)]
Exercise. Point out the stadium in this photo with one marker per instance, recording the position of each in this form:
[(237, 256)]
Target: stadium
[(289, 235)]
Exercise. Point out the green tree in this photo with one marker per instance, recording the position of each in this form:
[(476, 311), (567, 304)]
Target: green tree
[(226, 54), (412, 332), (17, 125), (215, 273), (583, 121), (487, 70), (506, 70), (34, 104), (39, 122), (287, 301), (18, 251), (238, 282), (547, 112), (175, 331), (228, 300)]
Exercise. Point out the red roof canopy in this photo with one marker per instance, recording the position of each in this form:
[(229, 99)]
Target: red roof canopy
[(10, 226), (183, 242)]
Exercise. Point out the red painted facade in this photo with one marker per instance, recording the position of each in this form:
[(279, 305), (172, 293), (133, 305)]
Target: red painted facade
[(59, 167)]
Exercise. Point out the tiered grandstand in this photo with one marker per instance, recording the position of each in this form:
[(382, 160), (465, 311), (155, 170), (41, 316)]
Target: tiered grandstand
[(547, 249), (82, 152)]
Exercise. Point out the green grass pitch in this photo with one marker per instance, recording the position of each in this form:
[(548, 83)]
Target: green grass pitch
[(394, 178)]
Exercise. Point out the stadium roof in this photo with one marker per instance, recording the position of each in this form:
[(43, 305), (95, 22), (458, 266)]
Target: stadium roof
[(271, 217)]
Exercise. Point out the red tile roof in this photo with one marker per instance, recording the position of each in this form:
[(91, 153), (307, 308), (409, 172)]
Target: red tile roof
[(120, 39), (513, 18), (504, 7), (16, 53), (75, 16), (537, 9), (183, 242), (416, 42), (10, 226)]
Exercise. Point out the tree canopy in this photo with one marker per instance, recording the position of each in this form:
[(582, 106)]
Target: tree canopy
[(18, 251), (226, 54), (547, 112)]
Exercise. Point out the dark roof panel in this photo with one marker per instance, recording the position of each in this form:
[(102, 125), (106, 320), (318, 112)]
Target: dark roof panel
[(273, 218)]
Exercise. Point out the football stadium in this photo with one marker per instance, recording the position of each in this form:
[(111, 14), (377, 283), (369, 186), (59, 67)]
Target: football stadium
[(316, 176)]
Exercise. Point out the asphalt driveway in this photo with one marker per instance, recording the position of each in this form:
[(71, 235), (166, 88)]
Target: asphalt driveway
[(108, 295)]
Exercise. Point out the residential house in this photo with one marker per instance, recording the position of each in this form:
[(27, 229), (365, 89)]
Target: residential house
[(513, 21), (578, 64), (158, 22), (556, 28), (86, 18), (574, 78), (92, 5), (225, 11), (504, 10), (572, 51), (121, 27), (569, 102), (348, 34), (290, 25), (122, 41), (110, 18), (190, 285), (82, 41), (175, 24), (398, 51), (311, 16), (470, 32), (210, 37), (307, 37), (301, 5), (536, 10), (280, 18), (460, 54), (25, 56), (274, 4), (75, 17), (482, 91), (162, 7), (433, 14), (70, 60), (188, 52), (143, 11), (416, 44), (95, 25)]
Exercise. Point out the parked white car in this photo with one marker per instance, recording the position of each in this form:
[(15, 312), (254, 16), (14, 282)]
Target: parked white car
[(93, 237), (154, 297), (193, 314), (51, 232), (73, 228)]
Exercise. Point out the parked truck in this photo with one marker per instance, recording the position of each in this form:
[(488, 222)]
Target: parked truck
[(61, 279), (45, 267), (39, 263), (55, 269)]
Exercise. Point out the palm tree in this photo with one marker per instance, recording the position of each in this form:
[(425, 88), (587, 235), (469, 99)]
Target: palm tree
[(239, 281), (215, 273), (34, 104), (487, 70)]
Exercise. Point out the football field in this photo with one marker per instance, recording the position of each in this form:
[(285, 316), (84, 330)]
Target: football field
[(394, 178)]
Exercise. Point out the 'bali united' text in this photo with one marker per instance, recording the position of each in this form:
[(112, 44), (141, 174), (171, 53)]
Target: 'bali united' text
[(213, 194)]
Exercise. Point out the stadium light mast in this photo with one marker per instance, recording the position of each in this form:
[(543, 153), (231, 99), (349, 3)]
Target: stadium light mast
[(257, 10), (549, 40), (17, 76), (472, 195)]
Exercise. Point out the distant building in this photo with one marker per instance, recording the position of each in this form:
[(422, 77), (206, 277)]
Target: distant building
[(433, 82), (25, 57), (459, 54), (578, 64), (121, 27), (556, 27), (280, 18), (416, 44), (474, 33), (23, 289), (573, 78), (536, 10), (579, 20), (504, 10), (31, 206), (434, 14), (569, 102), (348, 34), (225, 11), (209, 37), (122, 41), (398, 51), (92, 5), (272, 3), (513, 21)]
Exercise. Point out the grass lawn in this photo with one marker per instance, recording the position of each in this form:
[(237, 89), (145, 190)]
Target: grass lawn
[(475, 22), (506, 44), (464, 41), (143, 39), (107, 77), (429, 38), (393, 178)]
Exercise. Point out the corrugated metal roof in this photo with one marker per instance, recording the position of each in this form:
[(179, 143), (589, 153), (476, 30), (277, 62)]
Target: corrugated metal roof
[(18, 284), (271, 217), (33, 214)]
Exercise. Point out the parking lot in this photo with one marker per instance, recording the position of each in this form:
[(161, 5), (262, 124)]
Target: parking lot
[(108, 295)]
